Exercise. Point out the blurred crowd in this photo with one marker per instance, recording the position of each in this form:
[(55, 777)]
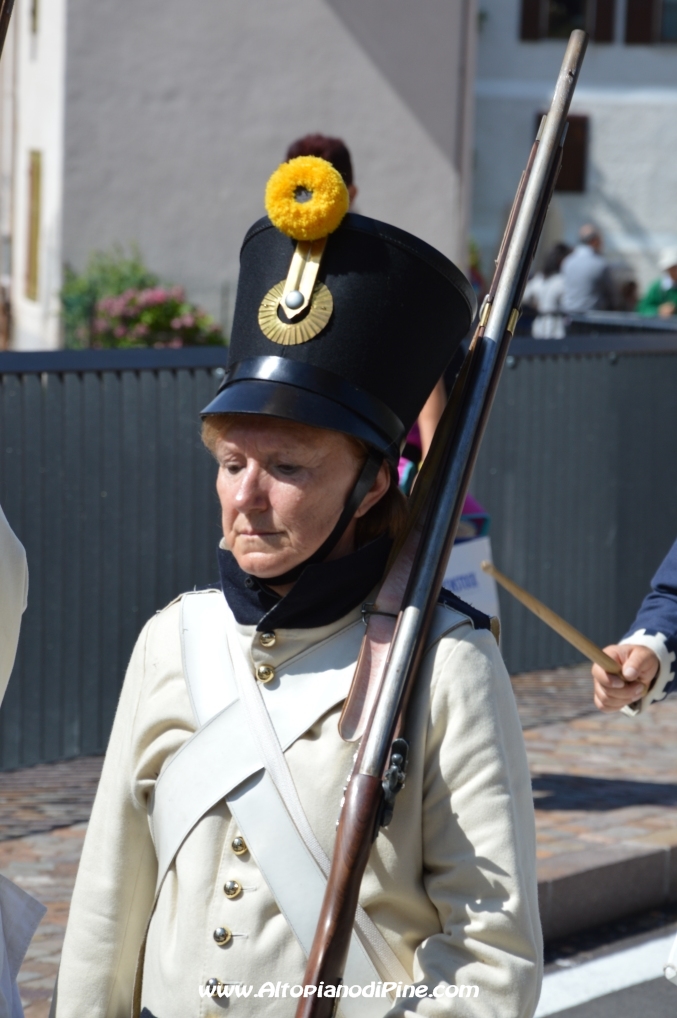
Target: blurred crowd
[(580, 280)]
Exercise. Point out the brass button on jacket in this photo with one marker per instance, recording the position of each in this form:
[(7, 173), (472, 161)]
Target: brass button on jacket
[(222, 935), (267, 639), (232, 889), (239, 845), (264, 673)]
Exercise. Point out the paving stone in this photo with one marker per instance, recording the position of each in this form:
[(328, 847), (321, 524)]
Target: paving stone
[(45, 865), (550, 696), (41, 798)]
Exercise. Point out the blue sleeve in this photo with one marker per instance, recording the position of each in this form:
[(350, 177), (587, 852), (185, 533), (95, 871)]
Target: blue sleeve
[(658, 611)]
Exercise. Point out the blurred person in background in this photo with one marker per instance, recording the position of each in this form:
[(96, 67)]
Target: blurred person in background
[(19, 912), (544, 292), (629, 295), (336, 152), (648, 653), (587, 279), (660, 300)]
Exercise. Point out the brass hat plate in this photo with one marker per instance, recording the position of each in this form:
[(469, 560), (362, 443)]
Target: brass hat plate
[(300, 294), (292, 333)]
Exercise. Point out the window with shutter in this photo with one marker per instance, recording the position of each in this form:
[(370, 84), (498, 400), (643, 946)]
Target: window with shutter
[(573, 174), (564, 16), (556, 19), (603, 25), (33, 245), (640, 22), (531, 26), (575, 156)]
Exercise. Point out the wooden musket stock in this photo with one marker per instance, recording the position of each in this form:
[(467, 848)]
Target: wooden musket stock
[(419, 560)]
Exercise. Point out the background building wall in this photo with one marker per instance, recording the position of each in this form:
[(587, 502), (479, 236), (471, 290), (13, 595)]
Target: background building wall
[(175, 118), (39, 38), (7, 144), (630, 95)]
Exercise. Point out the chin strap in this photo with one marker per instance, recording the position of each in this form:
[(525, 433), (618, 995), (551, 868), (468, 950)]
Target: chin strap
[(362, 485)]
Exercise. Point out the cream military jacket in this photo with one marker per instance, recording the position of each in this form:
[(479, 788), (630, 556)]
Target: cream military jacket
[(451, 884)]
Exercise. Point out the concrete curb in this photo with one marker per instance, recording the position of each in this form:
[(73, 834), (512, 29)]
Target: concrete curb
[(587, 888)]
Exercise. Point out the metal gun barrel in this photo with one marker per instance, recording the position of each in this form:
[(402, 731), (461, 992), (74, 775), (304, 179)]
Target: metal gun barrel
[(435, 546), (454, 463)]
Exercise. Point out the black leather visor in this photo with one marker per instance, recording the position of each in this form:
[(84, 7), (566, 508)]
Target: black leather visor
[(295, 391)]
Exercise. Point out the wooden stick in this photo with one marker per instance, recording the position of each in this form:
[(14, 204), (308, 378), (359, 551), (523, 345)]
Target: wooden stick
[(547, 615)]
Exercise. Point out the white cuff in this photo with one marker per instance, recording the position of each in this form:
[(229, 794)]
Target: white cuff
[(657, 643)]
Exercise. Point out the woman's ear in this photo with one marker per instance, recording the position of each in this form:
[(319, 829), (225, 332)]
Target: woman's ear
[(376, 492)]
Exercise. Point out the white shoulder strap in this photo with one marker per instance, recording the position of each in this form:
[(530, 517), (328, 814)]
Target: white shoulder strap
[(222, 754), (277, 768)]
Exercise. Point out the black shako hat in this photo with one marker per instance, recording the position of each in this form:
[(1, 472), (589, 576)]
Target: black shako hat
[(397, 311)]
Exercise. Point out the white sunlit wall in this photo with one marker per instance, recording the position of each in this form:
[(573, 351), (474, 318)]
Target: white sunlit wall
[(128, 124), (31, 163), (173, 125)]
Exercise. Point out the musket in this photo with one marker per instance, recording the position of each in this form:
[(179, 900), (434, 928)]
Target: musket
[(399, 621)]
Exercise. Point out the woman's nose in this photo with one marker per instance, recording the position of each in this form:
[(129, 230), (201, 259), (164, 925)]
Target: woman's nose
[(251, 492)]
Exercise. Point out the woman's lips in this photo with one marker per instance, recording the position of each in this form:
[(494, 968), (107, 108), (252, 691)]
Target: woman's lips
[(258, 533)]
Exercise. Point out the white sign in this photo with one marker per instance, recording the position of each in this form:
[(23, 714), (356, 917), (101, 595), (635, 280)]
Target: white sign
[(465, 578)]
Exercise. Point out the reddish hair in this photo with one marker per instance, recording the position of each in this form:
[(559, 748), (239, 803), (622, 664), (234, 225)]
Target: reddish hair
[(334, 150)]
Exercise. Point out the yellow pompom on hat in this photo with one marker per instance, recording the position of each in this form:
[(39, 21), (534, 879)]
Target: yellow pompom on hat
[(306, 198)]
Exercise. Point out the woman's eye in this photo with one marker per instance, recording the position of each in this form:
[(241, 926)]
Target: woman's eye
[(287, 469), (231, 468)]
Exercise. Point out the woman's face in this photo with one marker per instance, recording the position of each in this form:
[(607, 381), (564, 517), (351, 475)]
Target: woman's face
[(282, 488)]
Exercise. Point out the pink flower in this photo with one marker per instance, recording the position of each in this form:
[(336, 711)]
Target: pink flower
[(158, 295)]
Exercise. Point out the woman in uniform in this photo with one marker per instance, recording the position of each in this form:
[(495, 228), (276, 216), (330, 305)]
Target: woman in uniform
[(206, 855)]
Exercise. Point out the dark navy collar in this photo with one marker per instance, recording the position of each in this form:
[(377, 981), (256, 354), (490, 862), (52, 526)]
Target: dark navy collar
[(324, 593)]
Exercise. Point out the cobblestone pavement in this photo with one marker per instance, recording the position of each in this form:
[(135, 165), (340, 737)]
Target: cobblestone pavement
[(599, 781), (558, 695), (604, 782), (51, 795), (44, 865)]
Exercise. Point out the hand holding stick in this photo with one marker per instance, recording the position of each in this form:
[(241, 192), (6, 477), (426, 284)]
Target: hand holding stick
[(556, 622)]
